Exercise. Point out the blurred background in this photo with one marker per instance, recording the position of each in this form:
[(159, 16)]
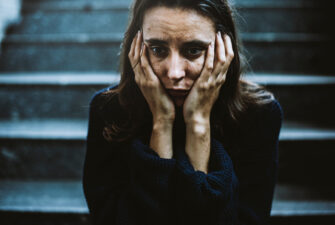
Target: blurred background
[(56, 53)]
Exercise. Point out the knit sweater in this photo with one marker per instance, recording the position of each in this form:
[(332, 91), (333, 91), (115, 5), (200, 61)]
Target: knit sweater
[(127, 183)]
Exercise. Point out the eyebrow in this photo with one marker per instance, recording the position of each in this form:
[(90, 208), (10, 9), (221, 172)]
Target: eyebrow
[(156, 41)]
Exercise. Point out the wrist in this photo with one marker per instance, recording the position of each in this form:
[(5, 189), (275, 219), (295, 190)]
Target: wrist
[(161, 139), (196, 121), (197, 145), (199, 128), (160, 124)]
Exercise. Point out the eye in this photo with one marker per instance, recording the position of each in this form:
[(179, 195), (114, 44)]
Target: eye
[(159, 51), (193, 52)]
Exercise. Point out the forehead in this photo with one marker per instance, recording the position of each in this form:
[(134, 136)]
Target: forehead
[(177, 24)]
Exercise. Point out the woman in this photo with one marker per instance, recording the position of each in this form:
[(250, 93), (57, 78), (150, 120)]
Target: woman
[(181, 139)]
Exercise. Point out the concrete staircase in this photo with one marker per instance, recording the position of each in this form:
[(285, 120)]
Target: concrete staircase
[(65, 50)]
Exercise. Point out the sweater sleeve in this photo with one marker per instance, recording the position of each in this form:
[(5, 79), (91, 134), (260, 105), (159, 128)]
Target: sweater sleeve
[(233, 193), (124, 183), (206, 198)]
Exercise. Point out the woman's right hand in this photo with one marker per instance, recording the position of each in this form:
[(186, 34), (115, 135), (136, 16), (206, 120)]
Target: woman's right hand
[(160, 104)]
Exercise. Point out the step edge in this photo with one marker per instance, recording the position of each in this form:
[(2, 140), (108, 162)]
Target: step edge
[(115, 38), (110, 6), (80, 206), (290, 79), (84, 6), (59, 78), (107, 78), (84, 210), (79, 133), (44, 209)]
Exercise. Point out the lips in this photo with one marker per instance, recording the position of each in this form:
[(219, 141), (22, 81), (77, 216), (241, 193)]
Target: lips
[(178, 93)]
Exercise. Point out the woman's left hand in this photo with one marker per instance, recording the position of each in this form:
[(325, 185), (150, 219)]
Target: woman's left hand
[(205, 90)]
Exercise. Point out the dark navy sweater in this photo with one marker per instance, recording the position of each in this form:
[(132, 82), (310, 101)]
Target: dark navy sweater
[(127, 183)]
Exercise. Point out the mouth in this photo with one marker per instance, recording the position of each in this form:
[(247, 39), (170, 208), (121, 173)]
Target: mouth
[(178, 92)]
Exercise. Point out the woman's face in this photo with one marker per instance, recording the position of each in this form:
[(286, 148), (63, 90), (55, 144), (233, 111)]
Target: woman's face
[(177, 41)]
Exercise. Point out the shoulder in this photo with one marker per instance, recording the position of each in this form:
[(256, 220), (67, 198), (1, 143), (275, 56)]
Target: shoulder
[(262, 122), (105, 106), (101, 94), (104, 99), (263, 109), (271, 110)]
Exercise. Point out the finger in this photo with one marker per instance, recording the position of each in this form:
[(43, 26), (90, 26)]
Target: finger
[(208, 66), (220, 55), (229, 53), (132, 48), (138, 47), (145, 66)]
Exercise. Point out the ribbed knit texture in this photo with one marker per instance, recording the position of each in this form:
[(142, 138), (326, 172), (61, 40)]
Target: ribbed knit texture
[(128, 183)]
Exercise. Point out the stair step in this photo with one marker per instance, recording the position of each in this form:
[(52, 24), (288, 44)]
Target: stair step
[(42, 196), (61, 5), (44, 130), (93, 22), (110, 77), (76, 130), (68, 56), (67, 197), (303, 132), (68, 5), (50, 95), (294, 200), (65, 78), (71, 92), (100, 52), (97, 17), (116, 37), (274, 79), (279, 4), (59, 148)]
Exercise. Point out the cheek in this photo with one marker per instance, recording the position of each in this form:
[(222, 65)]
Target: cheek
[(156, 65), (195, 68)]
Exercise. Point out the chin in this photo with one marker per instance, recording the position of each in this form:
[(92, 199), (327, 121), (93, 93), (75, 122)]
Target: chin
[(179, 102)]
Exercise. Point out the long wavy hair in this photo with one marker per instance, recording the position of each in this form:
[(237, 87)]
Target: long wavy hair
[(235, 95)]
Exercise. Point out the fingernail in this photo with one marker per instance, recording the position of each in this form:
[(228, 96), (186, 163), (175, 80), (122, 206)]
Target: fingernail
[(219, 33)]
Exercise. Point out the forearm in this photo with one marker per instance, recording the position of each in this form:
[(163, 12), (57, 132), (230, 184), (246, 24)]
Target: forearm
[(197, 144), (161, 139)]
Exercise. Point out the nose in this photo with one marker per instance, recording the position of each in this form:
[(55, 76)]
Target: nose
[(175, 67)]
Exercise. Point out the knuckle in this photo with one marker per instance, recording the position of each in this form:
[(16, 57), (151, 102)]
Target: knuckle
[(143, 61), (222, 60), (138, 81), (209, 66), (141, 84), (150, 84), (202, 87), (212, 85), (220, 80), (231, 55)]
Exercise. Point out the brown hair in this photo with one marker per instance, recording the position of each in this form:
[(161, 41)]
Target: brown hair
[(235, 96)]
